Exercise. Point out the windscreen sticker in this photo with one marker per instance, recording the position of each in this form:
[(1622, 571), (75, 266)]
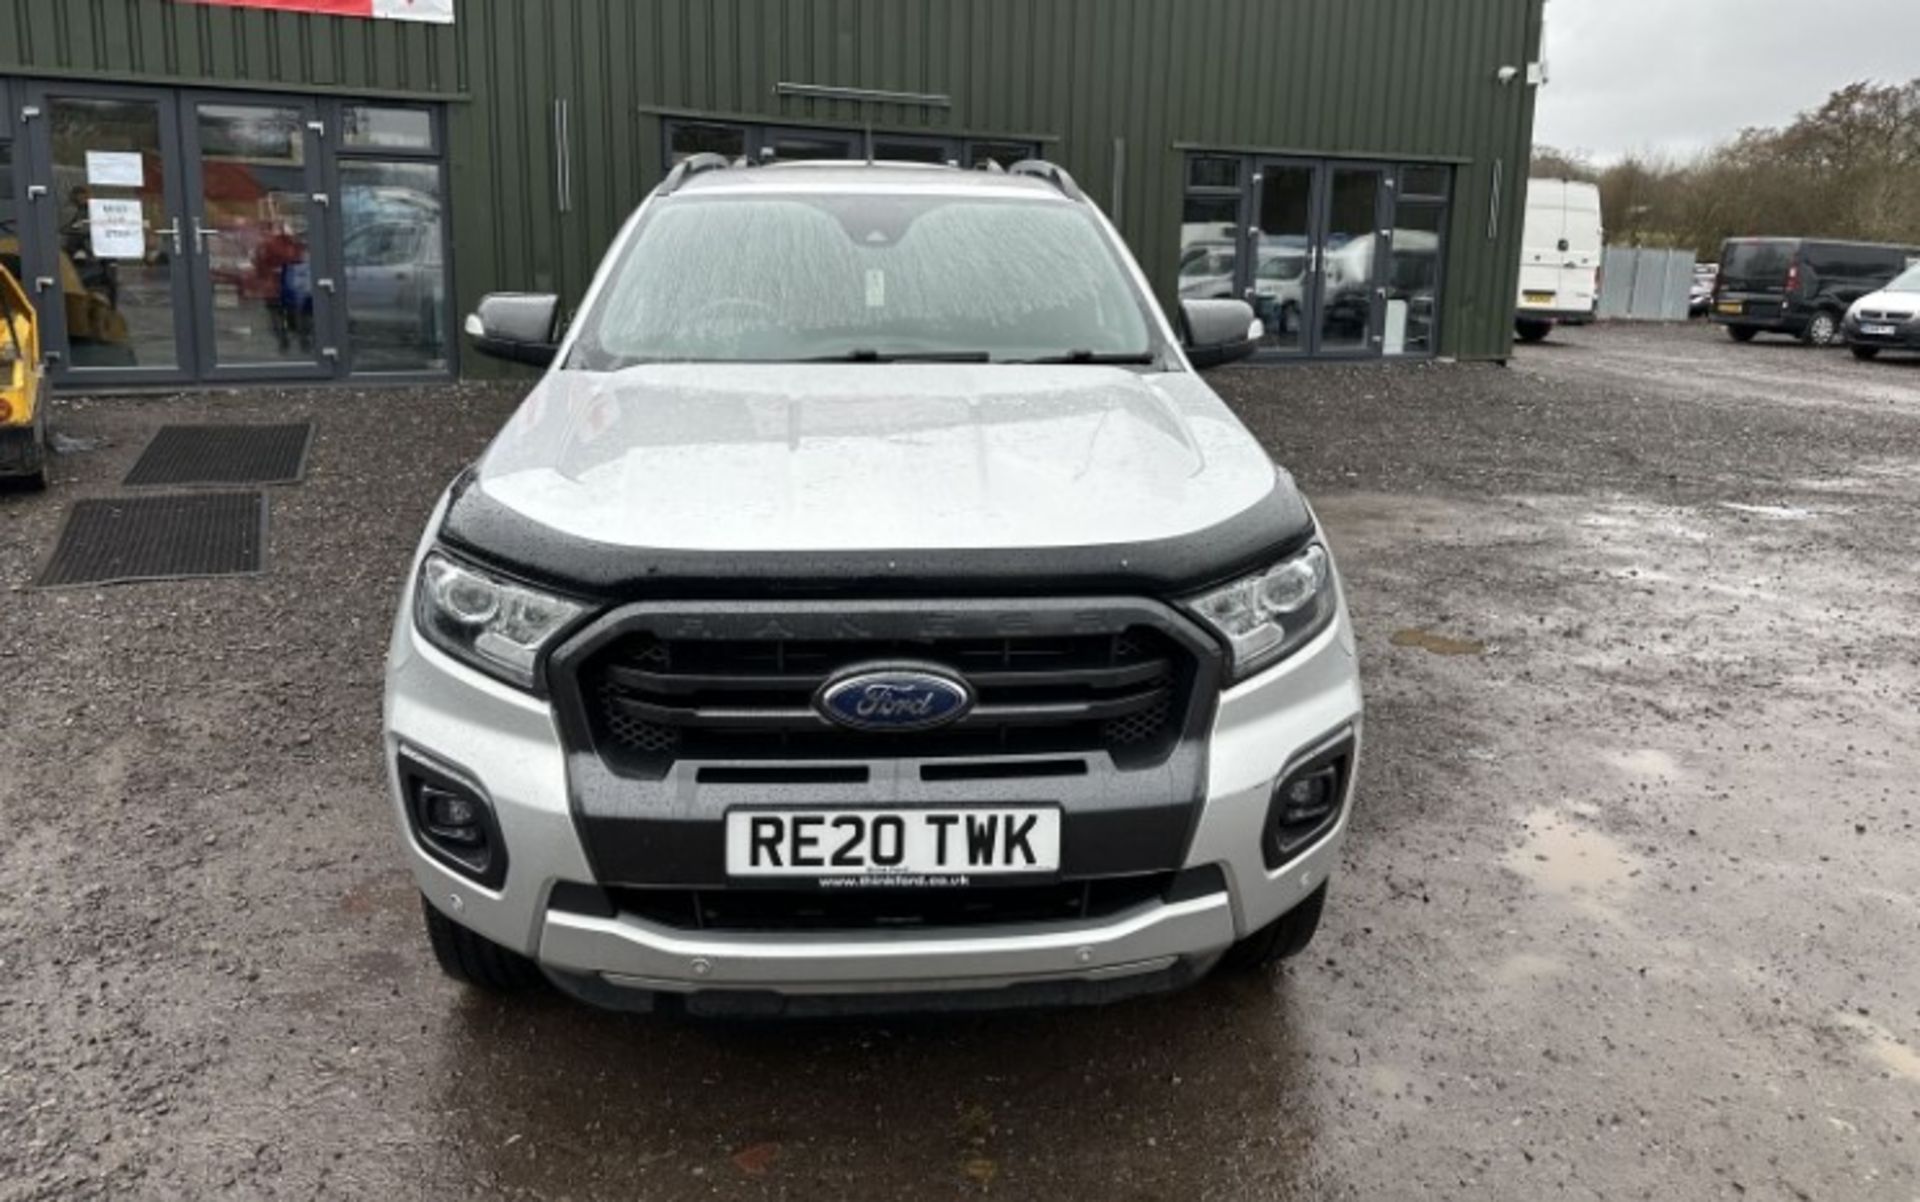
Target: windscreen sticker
[(876, 289)]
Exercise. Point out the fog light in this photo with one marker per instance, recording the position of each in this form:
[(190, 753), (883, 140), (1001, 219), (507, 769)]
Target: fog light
[(1306, 802), (451, 816), (1309, 798), (453, 821)]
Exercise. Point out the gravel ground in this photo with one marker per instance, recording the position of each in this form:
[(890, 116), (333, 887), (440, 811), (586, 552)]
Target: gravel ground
[(1629, 911)]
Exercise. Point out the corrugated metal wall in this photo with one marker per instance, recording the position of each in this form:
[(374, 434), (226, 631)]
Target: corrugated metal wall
[(1399, 79)]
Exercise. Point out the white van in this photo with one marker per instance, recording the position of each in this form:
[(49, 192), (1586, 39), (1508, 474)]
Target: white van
[(1559, 258)]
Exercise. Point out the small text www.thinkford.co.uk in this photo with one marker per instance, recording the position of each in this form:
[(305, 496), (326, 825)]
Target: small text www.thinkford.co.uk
[(889, 881)]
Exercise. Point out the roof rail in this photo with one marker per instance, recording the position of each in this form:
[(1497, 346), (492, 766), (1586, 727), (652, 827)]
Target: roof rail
[(1052, 173), (698, 164)]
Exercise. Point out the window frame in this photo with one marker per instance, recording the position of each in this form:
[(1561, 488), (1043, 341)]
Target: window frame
[(336, 154), (1395, 176), (436, 133)]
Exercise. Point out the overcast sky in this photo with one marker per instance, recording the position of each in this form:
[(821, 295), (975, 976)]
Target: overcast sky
[(1677, 76)]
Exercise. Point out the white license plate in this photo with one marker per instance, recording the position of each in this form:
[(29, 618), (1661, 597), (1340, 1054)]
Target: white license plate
[(997, 841), (1879, 331)]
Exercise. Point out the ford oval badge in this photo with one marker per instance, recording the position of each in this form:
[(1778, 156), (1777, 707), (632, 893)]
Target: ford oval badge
[(894, 698)]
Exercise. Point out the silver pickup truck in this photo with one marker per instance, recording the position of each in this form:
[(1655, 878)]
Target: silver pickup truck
[(871, 608)]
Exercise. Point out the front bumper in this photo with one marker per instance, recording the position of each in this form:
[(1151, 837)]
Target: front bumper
[(507, 744), (1906, 335)]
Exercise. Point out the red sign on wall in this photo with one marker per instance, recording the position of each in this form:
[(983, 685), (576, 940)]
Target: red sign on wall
[(437, 11)]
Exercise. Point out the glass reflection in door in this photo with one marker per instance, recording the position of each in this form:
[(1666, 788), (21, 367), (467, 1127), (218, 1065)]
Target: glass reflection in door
[(1349, 259), (117, 241), (1282, 288), (253, 232)]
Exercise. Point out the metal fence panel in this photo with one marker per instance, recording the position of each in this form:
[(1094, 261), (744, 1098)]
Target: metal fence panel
[(1644, 284)]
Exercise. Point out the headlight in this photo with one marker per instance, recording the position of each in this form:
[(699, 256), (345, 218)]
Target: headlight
[(495, 625), (1267, 617)]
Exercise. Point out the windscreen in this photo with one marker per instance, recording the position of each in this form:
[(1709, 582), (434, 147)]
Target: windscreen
[(1909, 282), (797, 278), (1755, 265)]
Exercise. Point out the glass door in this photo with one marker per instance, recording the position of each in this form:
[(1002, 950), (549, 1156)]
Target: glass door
[(105, 191), (1353, 248), (256, 239), (1278, 277)]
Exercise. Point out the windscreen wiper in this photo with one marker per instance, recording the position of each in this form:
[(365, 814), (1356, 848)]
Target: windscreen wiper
[(867, 355), (1129, 358)]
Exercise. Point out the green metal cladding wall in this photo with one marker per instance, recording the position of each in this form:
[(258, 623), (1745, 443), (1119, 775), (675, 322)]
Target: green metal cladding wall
[(1398, 79)]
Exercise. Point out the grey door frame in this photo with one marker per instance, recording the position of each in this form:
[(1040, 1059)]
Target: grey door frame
[(320, 241), (1247, 266), (1374, 344), (42, 208)]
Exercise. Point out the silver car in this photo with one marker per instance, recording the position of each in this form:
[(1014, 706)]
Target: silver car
[(871, 608)]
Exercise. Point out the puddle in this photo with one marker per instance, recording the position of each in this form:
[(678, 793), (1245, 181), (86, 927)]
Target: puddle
[(1570, 860), (1438, 644), (1898, 1058)]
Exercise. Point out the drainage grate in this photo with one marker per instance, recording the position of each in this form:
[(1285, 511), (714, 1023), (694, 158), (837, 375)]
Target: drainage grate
[(224, 455), (115, 540)]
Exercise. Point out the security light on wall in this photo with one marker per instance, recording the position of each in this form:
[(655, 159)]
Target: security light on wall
[(1536, 74)]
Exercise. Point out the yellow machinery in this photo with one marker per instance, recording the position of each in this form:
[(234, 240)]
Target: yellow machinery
[(23, 401)]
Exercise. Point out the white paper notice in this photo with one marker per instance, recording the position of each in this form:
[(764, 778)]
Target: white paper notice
[(118, 229), (114, 169)]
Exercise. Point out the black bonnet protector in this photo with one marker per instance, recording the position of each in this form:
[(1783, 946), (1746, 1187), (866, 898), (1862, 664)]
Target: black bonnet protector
[(491, 533)]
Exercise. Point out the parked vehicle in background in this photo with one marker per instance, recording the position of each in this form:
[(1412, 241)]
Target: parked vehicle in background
[(1799, 286), (1700, 296), (1886, 320), (1560, 257), (871, 607), (23, 408)]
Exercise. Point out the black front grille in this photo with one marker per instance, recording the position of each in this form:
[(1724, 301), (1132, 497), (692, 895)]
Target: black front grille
[(888, 909), (653, 701)]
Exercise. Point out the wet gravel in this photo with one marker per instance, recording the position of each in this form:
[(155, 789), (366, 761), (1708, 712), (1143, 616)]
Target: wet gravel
[(1629, 911)]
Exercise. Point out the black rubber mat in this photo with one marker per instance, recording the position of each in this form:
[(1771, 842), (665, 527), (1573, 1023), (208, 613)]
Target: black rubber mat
[(224, 455), (113, 540)]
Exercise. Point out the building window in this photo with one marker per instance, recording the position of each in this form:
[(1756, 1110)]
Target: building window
[(1006, 154), (1212, 171), (896, 149), (1425, 181), (372, 127), (1413, 280), (1209, 247), (394, 261), (687, 138), (1299, 239)]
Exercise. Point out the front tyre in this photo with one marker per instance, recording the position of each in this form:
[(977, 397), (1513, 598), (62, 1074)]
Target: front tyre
[(1822, 330), (475, 960), (1283, 938)]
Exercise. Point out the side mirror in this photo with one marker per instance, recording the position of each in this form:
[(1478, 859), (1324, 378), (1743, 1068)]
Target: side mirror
[(1219, 332), (520, 327)]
